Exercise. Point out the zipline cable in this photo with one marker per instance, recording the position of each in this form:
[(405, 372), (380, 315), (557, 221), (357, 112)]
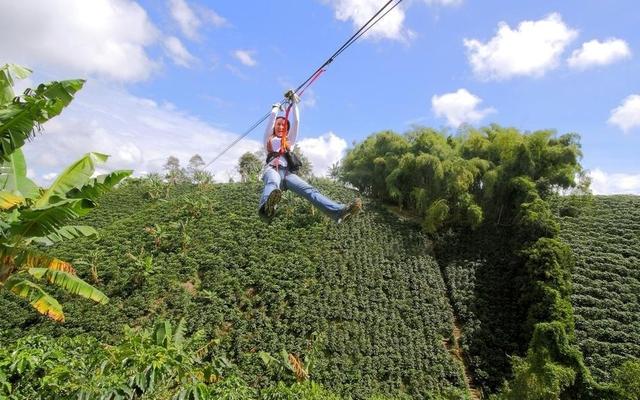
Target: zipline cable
[(349, 42), (363, 29)]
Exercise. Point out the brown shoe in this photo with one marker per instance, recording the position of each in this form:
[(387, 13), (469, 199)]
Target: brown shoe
[(351, 210), (269, 207)]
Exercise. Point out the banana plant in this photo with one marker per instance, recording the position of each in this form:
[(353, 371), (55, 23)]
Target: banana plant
[(21, 116), (43, 216), (32, 215)]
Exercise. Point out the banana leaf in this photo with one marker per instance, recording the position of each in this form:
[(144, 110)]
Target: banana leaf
[(99, 185), (13, 176), (36, 296), (31, 259), (49, 220), (70, 283), (7, 73), (75, 176), (9, 200), (67, 232), (19, 118)]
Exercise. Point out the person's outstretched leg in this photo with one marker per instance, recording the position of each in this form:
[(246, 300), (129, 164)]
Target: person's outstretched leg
[(297, 185), (271, 193)]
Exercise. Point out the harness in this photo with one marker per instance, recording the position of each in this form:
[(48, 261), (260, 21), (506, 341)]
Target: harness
[(284, 143)]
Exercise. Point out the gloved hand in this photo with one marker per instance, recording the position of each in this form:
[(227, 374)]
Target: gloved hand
[(292, 96), (276, 107)]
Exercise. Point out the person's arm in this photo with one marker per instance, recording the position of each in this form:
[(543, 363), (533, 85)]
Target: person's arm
[(293, 132), (268, 131)]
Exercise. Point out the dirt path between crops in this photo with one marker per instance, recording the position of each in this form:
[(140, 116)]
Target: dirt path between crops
[(458, 353)]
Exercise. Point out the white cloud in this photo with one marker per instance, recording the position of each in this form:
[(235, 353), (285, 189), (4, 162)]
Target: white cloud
[(214, 18), (138, 133), (185, 17), (595, 53), (178, 53), (323, 151), (532, 49), (103, 37), (614, 183), (245, 57), (627, 115), (309, 98), (459, 107), (49, 177), (360, 11), (192, 19)]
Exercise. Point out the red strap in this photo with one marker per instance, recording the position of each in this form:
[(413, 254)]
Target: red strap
[(313, 78), (284, 143)]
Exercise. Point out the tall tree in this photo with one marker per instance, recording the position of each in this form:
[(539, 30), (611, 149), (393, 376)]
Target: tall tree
[(335, 171), (196, 164), (174, 174), (196, 171), (249, 167)]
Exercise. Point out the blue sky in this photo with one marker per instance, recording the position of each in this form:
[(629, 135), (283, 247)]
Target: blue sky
[(183, 76)]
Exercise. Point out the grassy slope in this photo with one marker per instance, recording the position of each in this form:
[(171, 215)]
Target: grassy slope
[(605, 238), (368, 288)]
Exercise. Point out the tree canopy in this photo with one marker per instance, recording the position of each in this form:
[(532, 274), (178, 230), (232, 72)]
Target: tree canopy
[(464, 179)]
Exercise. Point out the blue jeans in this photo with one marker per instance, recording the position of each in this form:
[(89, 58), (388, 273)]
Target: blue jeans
[(282, 179)]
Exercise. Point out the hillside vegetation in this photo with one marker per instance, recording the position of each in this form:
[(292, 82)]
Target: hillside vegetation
[(365, 301), (199, 299), (605, 238)]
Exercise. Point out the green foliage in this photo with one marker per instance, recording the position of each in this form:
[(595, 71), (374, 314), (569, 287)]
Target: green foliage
[(494, 173), (626, 379), (13, 179), (306, 170), (249, 167), (175, 174), (197, 173), (29, 214), (20, 116), (43, 219), (369, 287), (8, 73), (484, 194), (159, 363), (549, 265), (551, 367), (605, 237)]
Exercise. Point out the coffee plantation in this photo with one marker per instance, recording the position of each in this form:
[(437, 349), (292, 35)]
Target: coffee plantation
[(467, 277)]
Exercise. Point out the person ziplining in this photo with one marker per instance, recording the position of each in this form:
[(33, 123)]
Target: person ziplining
[(279, 140), (282, 165)]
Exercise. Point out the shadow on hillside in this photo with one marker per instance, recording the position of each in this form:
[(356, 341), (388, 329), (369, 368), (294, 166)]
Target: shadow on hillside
[(484, 288)]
